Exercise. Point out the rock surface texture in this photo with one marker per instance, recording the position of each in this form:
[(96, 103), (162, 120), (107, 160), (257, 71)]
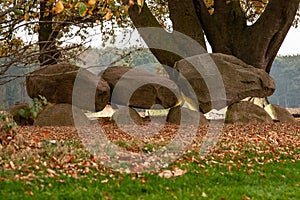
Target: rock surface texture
[(61, 115), (19, 119), (283, 115), (56, 82), (239, 80), (246, 112), (127, 115), (140, 89), (174, 116)]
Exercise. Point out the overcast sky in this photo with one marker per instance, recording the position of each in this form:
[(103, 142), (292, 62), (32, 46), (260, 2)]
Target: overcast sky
[(291, 44)]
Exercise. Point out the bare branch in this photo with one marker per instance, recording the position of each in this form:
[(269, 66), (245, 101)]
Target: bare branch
[(18, 5)]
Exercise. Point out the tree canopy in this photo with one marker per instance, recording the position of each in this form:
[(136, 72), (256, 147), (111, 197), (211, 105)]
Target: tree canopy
[(41, 32)]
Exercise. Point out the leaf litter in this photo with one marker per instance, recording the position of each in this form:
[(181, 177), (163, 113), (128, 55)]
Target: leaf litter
[(58, 151)]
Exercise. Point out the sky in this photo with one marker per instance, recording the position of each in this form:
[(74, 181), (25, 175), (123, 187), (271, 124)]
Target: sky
[(291, 44)]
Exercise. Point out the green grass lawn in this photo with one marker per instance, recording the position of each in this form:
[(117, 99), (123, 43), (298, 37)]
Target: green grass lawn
[(272, 181)]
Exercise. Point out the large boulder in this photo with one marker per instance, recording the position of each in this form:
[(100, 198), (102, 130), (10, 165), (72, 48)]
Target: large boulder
[(140, 89), (283, 115), (126, 116), (240, 80), (189, 116), (61, 115), (56, 83), (14, 110), (246, 112)]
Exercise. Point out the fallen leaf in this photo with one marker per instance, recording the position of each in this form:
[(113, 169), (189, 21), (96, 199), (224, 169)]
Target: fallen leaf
[(143, 180), (166, 174), (244, 197), (50, 171), (178, 172), (12, 165), (104, 181), (29, 192)]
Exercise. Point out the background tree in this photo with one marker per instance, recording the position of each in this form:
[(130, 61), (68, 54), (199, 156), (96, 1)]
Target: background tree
[(38, 33), (286, 73)]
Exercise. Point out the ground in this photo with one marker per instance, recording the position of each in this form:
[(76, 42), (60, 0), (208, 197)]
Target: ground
[(260, 160)]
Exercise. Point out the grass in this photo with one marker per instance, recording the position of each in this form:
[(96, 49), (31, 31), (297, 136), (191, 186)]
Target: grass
[(212, 183), (204, 180), (236, 169)]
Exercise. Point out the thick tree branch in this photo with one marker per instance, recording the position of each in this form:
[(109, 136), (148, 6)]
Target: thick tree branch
[(146, 19), (277, 19), (47, 38), (209, 23), (184, 18), (227, 30)]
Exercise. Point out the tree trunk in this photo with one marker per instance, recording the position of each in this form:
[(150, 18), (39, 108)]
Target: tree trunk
[(227, 30), (179, 10), (49, 53), (185, 20)]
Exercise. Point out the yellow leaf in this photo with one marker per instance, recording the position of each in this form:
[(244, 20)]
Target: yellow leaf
[(108, 15), (77, 4), (140, 3), (59, 7), (117, 14), (92, 2), (26, 17), (130, 3), (126, 9), (36, 28), (209, 3), (257, 4)]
